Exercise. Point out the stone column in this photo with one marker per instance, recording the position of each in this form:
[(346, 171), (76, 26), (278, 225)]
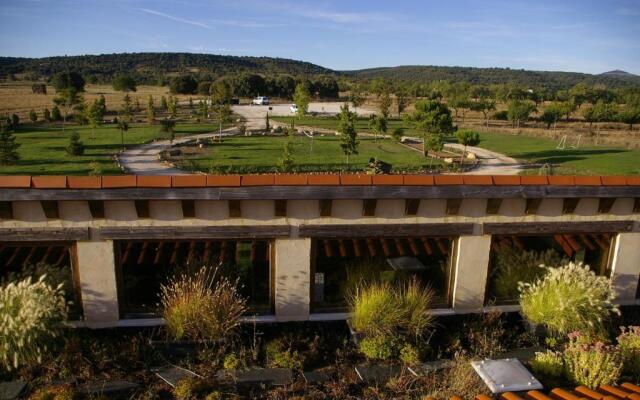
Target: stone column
[(98, 284), (625, 268), (292, 280), (471, 270)]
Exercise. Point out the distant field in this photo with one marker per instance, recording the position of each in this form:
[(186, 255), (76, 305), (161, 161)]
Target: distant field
[(16, 97), (263, 154), (585, 160), (42, 149)]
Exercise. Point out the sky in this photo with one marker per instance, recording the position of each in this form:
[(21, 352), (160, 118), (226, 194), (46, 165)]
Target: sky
[(561, 35)]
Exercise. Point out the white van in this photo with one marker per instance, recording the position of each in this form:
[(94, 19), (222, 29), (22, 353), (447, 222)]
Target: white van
[(260, 101)]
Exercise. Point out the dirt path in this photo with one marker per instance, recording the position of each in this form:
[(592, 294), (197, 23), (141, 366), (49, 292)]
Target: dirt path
[(491, 163)]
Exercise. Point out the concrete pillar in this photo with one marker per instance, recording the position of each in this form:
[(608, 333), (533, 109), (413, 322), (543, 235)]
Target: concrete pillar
[(98, 284), (625, 268), (471, 269), (292, 280)]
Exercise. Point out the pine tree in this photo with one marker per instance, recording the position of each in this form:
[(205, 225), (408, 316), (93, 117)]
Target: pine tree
[(33, 116), (76, 147), (55, 114), (8, 147), (46, 114)]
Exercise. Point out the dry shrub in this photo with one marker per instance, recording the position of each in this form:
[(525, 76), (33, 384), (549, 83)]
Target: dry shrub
[(202, 307), (459, 380)]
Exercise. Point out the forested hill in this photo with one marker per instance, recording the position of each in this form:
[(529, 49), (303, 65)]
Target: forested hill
[(486, 76), (150, 67)]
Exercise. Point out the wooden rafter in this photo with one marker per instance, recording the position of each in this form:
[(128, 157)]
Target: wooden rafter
[(571, 242), (32, 251), (174, 254), (158, 256), (565, 247), (143, 252), (125, 254), (442, 246), (64, 251), (192, 251), (400, 247), (385, 247), (371, 246), (356, 247), (46, 254), (14, 255), (415, 249), (342, 248), (207, 252), (224, 247), (427, 246), (328, 251)]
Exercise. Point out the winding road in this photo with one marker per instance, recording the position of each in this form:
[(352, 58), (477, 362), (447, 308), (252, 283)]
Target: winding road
[(145, 159)]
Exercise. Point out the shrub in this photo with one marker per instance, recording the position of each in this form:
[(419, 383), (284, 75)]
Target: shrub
[(416, 302), (568, 298), (214, 396), (54, 393), (379, 347), (592, 365), (281, 355), (31, 317), (512, 266), (549, 363), (231, 361), (202, 306), (191, 388), (629, 344), (409, 354), (397, 134), (76, 147)]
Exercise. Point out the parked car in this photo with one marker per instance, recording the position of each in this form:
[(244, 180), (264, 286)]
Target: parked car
[(294, 108), (260, 101)]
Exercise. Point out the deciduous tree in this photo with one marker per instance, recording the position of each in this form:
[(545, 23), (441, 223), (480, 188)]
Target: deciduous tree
[(302, 99), (433, 119), (347, 130), (124, 83)]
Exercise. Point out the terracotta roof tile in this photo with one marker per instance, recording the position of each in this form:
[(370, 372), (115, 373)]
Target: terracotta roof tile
[(49, 182), (588, 180), (183, 181), (477, 180), (223, 180), (387, 180), (355, 179), (291, 179), (257, 180), (118, 181), (153, 181), (506, 180), (418, 180), (84, 182), (323, 179), (15, 181)]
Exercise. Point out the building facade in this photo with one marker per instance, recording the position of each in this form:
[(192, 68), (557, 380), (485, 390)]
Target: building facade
[(297, 243)]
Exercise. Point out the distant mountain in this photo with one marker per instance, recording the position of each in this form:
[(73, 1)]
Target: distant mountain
[(617, 72), (149, 67), (549, 79)]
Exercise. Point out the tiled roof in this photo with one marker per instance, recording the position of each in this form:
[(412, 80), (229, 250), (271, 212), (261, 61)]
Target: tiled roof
[(191, 181), (624, 391)]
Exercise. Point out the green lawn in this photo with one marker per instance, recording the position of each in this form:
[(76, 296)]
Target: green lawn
[(42, 149), (587, 160), (584, 161), (263, 154)]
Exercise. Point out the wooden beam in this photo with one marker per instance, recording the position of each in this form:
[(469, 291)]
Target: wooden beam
[(325, 207), (371, 246), (539, 228), (158, 256), (571, 242), (532, 206), (125, 254), (142, 208), (312, 192), (493, 206), (43, 234), (565, 246), (6, 210), (369, 207), (400, 247), (442, 246), (385, 247), (453, 206), (14, 255), (385, 230), (63, 253), (427, 246), (46, 254), (280, 208), (235, 210), (193, 232), (342, 248), (29, 256), (587, 242), (50, 208), (207, 252), (143, 252), (605, 204), (328, 251), (601, 243), (192, 251), (356, 247), (96, 208), (569, 205), (414, 247), (188, 208), (174, 254), (411, 206)]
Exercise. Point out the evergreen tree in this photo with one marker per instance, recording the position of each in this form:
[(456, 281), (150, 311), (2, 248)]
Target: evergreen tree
[(33, 116), (103, 105), (55, 114), (94, 116), (167, 126), (286, 162), (15, 120), (126, 110), (67, 99), (151, 113), (302, 98), (347, 129), (8, 146), (46, 114), (163, 103), (76, 147)]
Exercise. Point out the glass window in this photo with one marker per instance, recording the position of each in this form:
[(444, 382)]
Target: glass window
[(145, 265), (19, 260), (339, 265), (517, 259)]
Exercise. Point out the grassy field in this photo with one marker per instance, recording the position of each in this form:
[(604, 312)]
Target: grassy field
[(263, 154), (585, 160), (42, 149)]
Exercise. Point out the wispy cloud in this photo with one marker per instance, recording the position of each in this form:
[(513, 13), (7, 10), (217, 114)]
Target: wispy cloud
[(342, 17), (175, 18), (246, 23)]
